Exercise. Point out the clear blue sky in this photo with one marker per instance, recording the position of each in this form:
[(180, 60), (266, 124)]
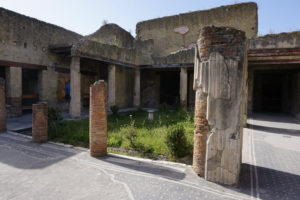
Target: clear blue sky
[(86, 16)]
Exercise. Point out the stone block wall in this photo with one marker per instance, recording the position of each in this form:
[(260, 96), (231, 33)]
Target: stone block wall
[(98, 119), (26, 40), (220, 76), (124, 86), (178, 32)]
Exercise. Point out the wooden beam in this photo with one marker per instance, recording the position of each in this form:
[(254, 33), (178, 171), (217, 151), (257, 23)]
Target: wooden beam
[(23, 65)]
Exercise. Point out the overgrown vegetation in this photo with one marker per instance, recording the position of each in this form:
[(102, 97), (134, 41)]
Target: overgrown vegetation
[(55, 119), (176, 141), (169, 134)]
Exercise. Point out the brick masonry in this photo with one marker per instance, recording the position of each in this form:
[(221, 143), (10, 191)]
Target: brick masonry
[(2, 106), (98, 119), (40, 122), (220, 83), (201, 129)]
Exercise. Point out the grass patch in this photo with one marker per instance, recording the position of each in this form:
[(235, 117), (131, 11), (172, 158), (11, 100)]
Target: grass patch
[(131, 131)]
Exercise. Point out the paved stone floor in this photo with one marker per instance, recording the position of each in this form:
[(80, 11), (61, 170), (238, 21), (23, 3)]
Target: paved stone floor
[(271, 156), (51, 171)]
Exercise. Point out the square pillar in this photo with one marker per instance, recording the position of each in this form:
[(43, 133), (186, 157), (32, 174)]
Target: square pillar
[(47, 85), (111, 85), (98, 119), (14, 90), (183, 87), (40, 122), (2, 106), (75, 104), (137, 88)]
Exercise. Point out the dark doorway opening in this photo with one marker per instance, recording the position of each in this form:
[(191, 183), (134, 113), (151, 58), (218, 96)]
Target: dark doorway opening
[(272, 91), (29, 88), (169, 87)]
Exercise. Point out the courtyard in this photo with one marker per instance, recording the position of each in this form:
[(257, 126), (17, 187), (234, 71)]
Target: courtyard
[(54, 171)]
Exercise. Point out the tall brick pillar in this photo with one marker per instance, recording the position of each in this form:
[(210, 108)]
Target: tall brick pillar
[(75, 104), (200, 133), (98, 119), (183, 87), (220, 75), (40, 122), (13, 77), (137, 88), (2, 106)]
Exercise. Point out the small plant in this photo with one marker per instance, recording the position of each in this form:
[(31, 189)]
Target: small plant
[(176, 141), (104, 22), (54, 119), (130, 133), (115, 140), (115, 110)]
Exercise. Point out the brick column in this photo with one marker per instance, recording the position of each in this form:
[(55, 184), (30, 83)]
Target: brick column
[(40, 122), (220, 75), (200, 133), (183, 87), (13, 77), (75, 104), (137, 88), (98, 119), (111, 85), (2, 106)]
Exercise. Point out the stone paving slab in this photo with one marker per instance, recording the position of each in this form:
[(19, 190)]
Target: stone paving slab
[(50, 171), (272, 170), (20, 123)]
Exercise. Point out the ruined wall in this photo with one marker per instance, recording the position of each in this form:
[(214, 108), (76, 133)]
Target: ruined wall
[(124, 87), (276, 41), (162, 30), (26, 40), (150, 88), (105, 52), (220, 76), (113, 34)]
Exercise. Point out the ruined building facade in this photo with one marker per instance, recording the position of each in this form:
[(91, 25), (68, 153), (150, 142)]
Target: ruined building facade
[(42, 62)]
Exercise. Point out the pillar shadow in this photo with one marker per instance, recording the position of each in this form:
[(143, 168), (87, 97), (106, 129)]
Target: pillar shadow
[(292, 132), (145, 167), (22, 153), (270, 185)]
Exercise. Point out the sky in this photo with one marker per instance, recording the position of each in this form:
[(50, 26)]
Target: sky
[(87, 16)]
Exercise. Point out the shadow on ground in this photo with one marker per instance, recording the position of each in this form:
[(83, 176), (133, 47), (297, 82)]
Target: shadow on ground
[(22, 153), (285, 131), (271, 184), (145, 167)]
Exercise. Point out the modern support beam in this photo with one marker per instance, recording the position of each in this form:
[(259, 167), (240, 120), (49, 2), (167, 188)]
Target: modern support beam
[(111, 85), (183, 87), (75, 104), (14, 90), (137, 88)]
